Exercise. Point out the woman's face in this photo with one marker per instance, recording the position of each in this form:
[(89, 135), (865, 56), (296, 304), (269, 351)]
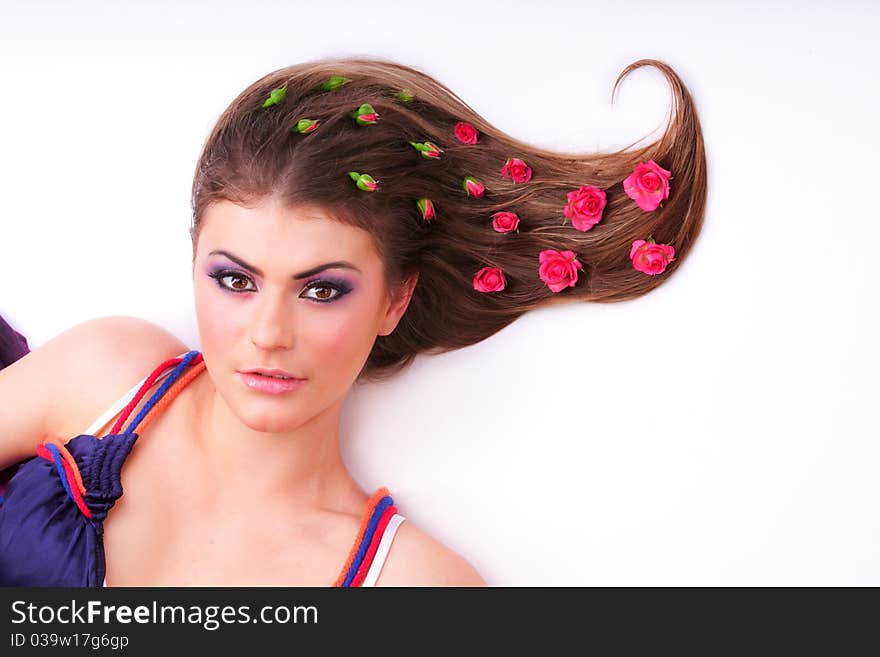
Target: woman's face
[(264, 300)]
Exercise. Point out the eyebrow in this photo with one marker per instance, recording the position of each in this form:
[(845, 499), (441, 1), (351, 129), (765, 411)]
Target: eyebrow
[(340, 264)]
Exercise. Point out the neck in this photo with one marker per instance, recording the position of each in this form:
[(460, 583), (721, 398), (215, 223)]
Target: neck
[(302, 465)]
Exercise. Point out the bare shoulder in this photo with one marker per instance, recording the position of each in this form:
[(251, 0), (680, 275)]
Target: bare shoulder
[(61, 387), (418, 559), (131, 339), (105, 357)]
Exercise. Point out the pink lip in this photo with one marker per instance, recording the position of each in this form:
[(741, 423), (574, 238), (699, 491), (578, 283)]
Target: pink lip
[(271, 372), (259, 383)]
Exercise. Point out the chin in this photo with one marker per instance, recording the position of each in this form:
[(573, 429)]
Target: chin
[(269, 421), (266, 413)]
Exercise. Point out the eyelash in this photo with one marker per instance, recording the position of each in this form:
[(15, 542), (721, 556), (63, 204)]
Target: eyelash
[(340, 289)]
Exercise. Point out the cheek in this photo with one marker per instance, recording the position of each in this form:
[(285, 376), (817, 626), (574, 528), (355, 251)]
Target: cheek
[(217, 323), (342, 336)]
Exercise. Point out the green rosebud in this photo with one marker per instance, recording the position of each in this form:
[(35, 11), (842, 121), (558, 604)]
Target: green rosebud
[(334, 82), (365, 115), (364, 181), (405, 95), (426, 207), (276, 96), (305, 125), (428, 149)]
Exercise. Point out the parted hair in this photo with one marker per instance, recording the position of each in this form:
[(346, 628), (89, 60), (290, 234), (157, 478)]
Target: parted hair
[(252, 153)]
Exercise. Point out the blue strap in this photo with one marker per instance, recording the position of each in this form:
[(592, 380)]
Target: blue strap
[(58, 460), (167, 383), (383, 504)]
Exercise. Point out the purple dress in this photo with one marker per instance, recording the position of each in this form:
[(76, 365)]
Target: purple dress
[(45, 539), (13, 346)]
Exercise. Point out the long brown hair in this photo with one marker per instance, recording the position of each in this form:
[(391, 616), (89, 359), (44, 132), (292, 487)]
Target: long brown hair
[(252, 153)]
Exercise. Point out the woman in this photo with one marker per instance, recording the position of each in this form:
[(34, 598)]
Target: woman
[(347, 215)]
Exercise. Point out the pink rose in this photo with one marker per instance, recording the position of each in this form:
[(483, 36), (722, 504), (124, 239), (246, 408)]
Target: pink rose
[(647, 185), (474, 187), (516, 170), (504, 222), (585, 207), (558, 269), (651, 258), (466, 133), (489, 279)]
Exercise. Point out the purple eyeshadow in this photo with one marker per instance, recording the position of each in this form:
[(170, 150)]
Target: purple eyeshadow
[(342, 285)]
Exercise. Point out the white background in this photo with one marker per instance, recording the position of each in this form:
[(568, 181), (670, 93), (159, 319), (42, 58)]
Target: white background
[(718, 431)]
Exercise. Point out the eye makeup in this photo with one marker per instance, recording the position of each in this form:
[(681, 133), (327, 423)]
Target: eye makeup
[(326, 282)]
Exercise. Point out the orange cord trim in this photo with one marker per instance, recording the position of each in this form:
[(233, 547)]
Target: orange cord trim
[(112, 422), (123, 415), (365, 520), (56, 440), (170, 394), (167, 398)]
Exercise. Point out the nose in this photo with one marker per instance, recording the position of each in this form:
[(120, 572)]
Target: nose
[(272, 326)]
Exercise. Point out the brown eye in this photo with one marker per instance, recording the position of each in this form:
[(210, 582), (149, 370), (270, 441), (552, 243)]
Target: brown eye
[(239, 284), (324, 292)]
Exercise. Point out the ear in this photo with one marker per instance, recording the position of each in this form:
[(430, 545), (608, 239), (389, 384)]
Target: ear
[(397, 305)]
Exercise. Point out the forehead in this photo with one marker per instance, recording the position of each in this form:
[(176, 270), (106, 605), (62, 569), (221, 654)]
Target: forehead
[(270, 232)]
